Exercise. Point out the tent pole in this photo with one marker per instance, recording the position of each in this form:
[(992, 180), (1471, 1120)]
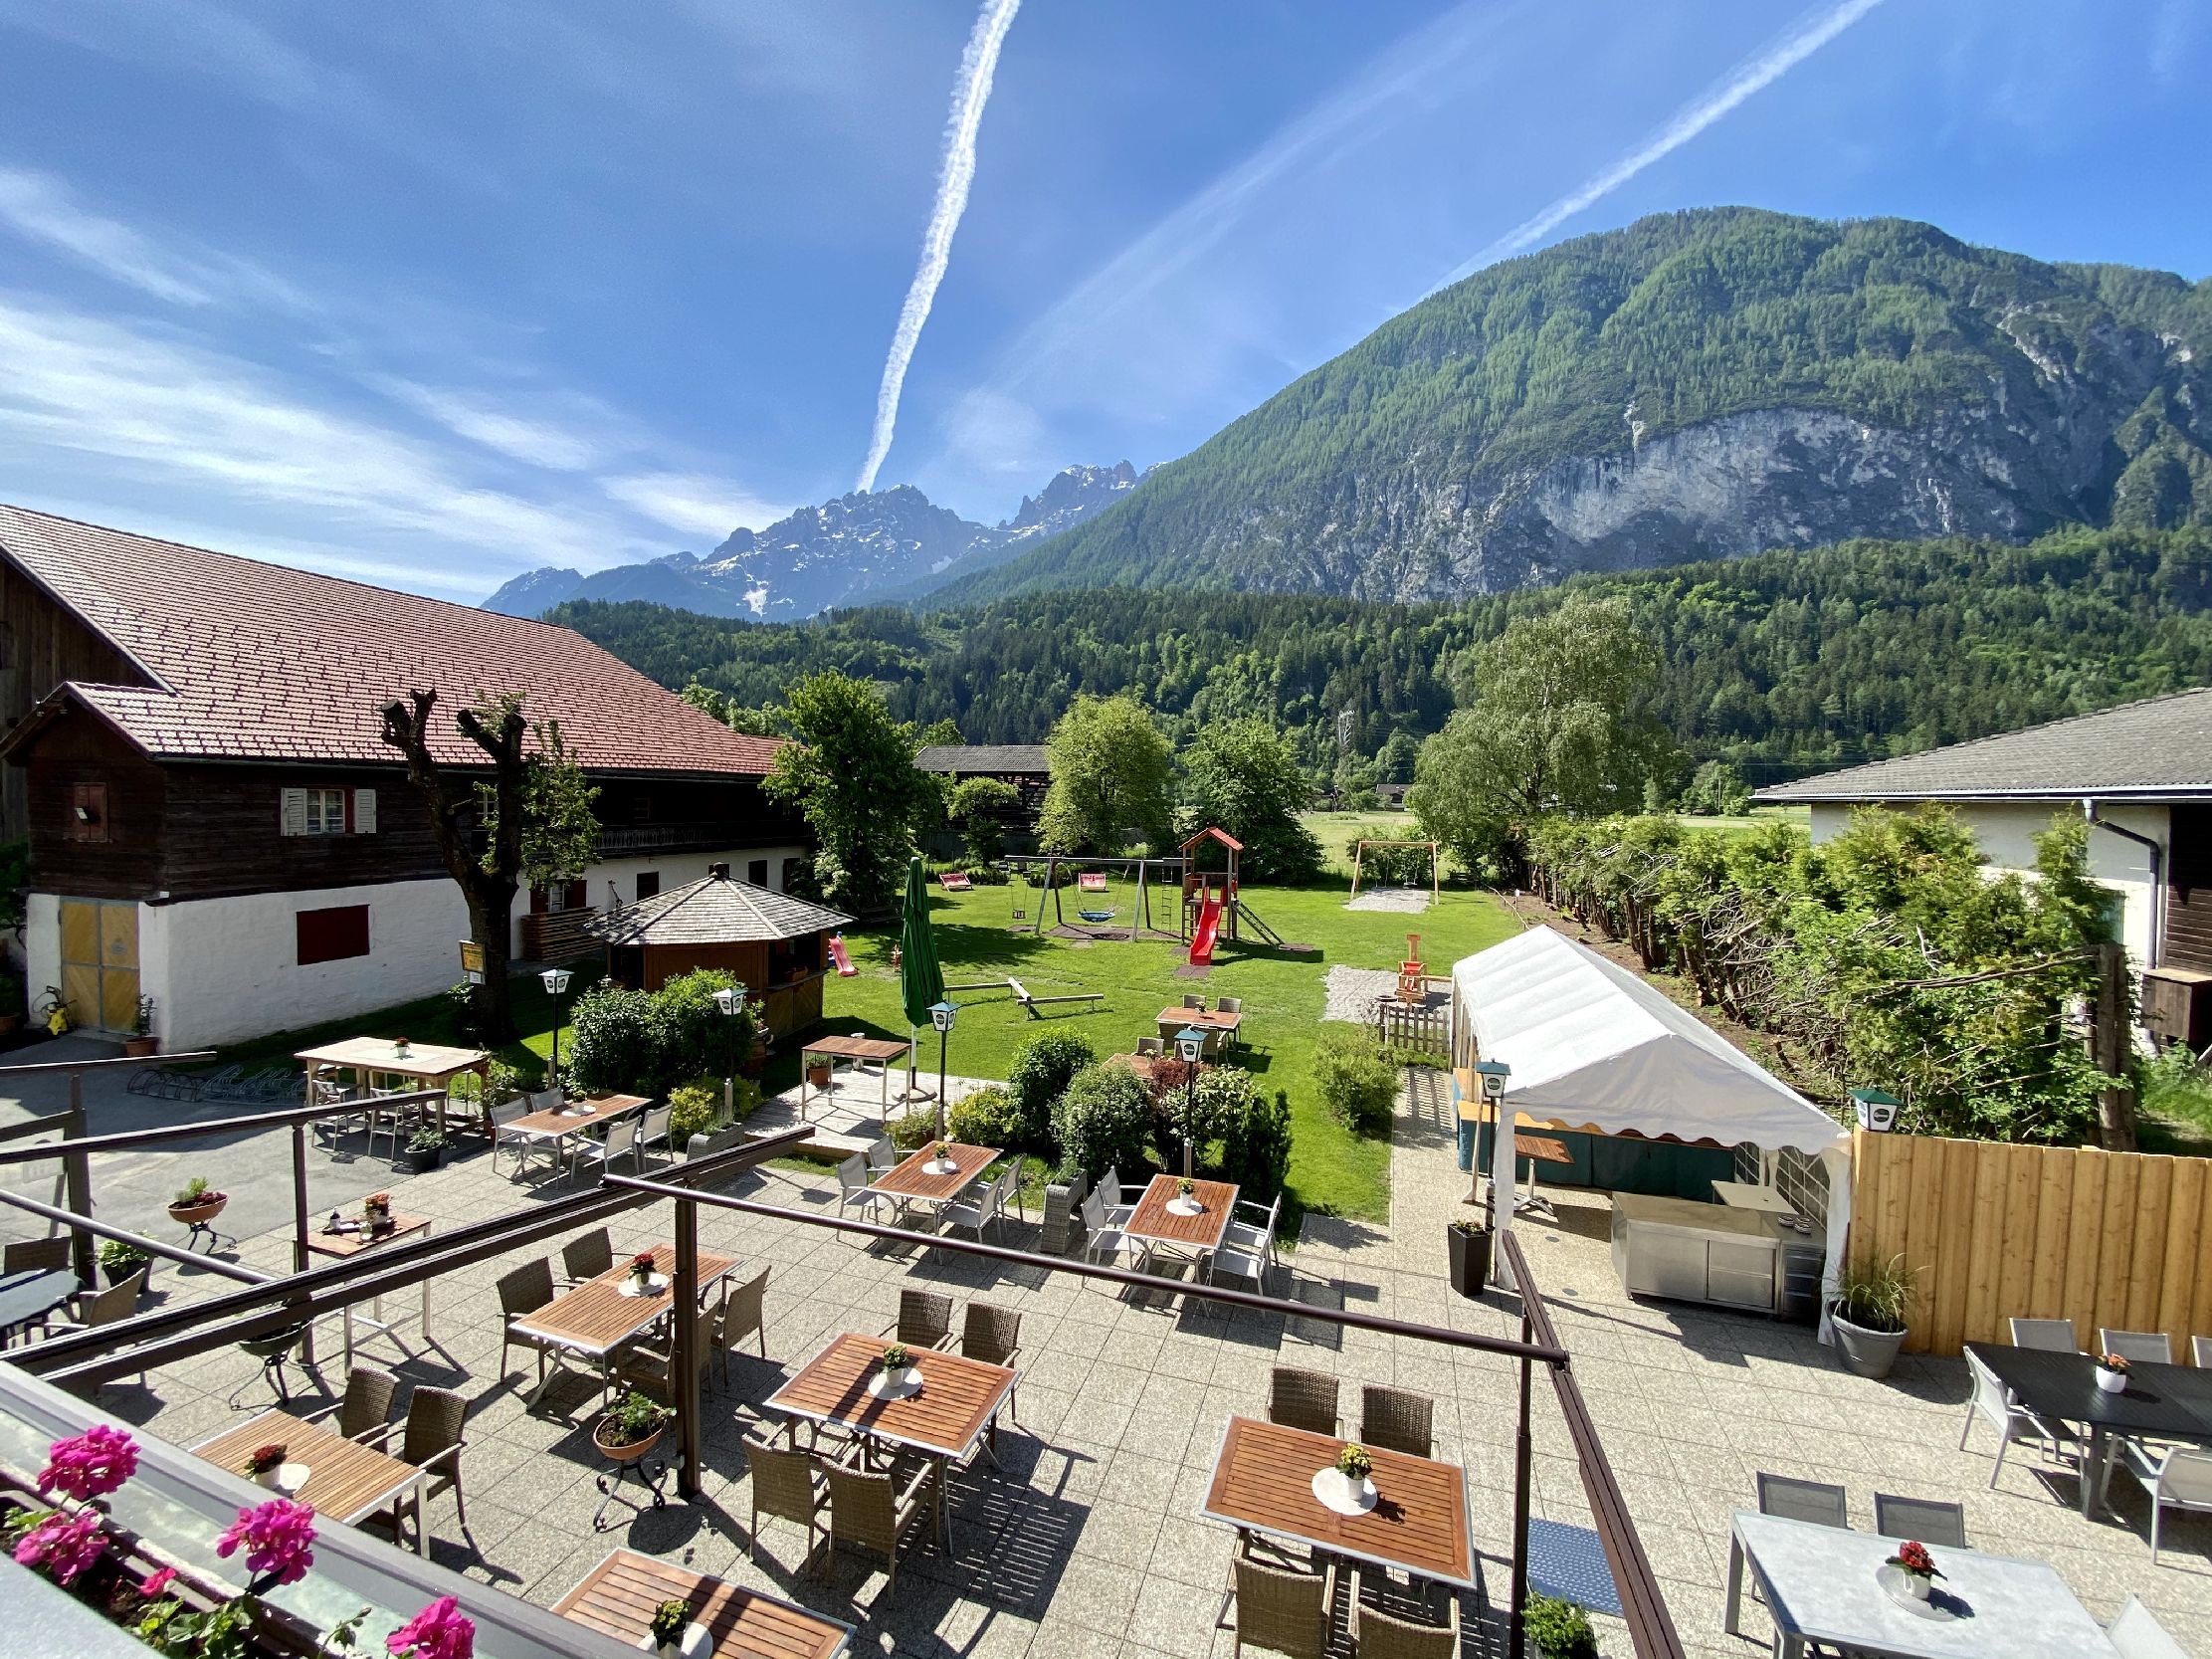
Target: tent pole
[(1502, 1163)]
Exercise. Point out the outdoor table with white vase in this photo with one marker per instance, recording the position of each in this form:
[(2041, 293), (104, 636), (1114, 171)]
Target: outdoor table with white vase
[(332, 1475), (1838, 1587), (1172, 1223), (924, 1177), (561, 1127), (2161, 1402), (591, 1319)]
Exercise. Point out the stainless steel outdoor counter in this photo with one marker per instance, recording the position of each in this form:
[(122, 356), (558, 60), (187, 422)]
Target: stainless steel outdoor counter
[(1691, 1252)]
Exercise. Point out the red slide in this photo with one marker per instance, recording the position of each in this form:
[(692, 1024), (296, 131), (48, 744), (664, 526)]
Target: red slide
[(1202, 941), (840, 956)]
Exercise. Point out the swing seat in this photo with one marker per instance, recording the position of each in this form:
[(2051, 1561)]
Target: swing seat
[(954, 881), (1095, 916), (1091, 882)]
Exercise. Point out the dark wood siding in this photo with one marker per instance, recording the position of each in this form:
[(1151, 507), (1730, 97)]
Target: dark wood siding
[(642, 818), (79, 751), (41, 645), (2189, 926), (225, 832)]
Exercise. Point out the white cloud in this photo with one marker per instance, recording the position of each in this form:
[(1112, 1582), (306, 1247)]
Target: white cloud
[(693, 504), (535, 437), (40, 207)]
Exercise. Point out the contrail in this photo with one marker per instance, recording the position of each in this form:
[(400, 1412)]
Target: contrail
[(1752, 76), (970, 91)]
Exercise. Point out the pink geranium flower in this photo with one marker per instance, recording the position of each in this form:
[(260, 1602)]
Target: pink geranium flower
[(439, 1631), (276, 1535), (91, 1464), (155, 1583), (67, 1541)]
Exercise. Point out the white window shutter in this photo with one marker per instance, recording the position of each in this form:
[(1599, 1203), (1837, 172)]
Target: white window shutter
[(364, 813), (292, 812)]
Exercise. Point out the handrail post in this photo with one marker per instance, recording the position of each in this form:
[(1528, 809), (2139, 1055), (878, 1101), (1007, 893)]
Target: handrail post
[(77, 1171), (684, 1353), (1523, 1446), (300, 1261)]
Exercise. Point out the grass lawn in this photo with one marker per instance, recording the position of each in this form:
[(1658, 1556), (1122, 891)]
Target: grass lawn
[(1330, 1169), (1335, 831), (1758, 818)]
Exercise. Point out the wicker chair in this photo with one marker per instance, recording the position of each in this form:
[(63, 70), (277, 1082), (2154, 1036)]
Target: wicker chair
[(1279, 1609), (654, 1368), (876, 1513), (1302, 1399), (431, 1440), (36, 1255), (589, 1256), (366, 1409), (993, 1335), (788, 1483), (1379, 1634), (1396, 1419), (1932, 1521), (924, 1320), (523, 1292), (742, 1314), (1063, 1226)]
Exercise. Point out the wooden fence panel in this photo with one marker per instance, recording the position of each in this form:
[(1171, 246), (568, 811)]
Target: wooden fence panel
[(2118, 1239)]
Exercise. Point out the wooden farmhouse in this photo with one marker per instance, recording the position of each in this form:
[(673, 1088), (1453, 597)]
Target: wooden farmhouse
[(214, 818)]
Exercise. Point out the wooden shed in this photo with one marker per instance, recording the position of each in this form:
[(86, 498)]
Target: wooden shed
[(775, 944)]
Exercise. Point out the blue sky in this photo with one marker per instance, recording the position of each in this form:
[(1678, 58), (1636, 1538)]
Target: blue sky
[(432, 293)]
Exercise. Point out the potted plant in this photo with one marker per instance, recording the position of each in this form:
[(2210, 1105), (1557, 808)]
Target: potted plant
[(672, 1622), (641, 1272), (1467, 1247), (818, 1071), (264, 1463), (399, 1048), (196, 1201), (2111, 1373), (142, 1041), (632, 1428), (425, 1149), (1559, 1628), (1916, 1568), (119, 1261), (1872, 1300), (377, 1211)]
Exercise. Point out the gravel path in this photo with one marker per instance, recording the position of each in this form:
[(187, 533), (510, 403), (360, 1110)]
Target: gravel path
[(1409, 901), (1351, 993)]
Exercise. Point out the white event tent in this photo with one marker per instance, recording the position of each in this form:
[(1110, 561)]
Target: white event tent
[(1590, 1046)]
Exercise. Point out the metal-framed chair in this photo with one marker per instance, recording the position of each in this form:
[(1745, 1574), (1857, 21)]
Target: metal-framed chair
[(2137, 1634), (1819, 1502), (2200, 1351), (883, 1155), (2137, 1347), (1396, 1419), (1115, 1196), (1300, 1398), (1103, 1239), (987, 1209), (621, 1142), (2051, 1336), (654, 1125), (1993, 1402), (1932, 1521), (855, 1192), (587, 1255), (2174, 1477), (786, 1483)]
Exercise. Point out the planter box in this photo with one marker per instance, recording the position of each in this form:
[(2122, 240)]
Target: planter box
[(1468, 1257)]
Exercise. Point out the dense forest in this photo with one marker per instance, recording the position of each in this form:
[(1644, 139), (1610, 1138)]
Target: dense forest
[(2025, 393), (1784, 663)]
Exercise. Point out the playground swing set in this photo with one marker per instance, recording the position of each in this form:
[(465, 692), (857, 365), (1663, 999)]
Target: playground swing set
[(1213, 908), (1435, 863)]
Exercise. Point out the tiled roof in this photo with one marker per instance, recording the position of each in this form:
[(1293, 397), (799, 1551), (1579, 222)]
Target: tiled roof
[(982, 760), (2155, 748), (715, 909), (253, 661)]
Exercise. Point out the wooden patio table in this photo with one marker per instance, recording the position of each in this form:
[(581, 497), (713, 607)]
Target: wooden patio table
[(597, 1317), (617, 1599), (344, 1246), (1263, 1483), (1194, 1236), (1218, 1026), (426, 1064), (2167, 1402), (558, 1124), (913, 1182), (946, 1420), (346, 1480), (856, 1050)]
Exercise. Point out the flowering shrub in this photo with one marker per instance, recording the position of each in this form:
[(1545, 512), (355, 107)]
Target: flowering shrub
[(440, 1631), (90, 1465), (275, 1536), (2114, 1362), (65, 1542)]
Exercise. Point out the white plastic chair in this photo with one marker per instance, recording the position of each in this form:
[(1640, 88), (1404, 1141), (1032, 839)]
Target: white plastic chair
[(2137, 1347), (854, 1192), (2174, 1477), (1993, 1401), (2135, 1634), (2051, 1336)]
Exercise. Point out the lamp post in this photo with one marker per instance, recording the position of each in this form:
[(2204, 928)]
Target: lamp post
[(730, 999), (1492, 1075), (942, 1015), (555, 980), (1190, 1043)]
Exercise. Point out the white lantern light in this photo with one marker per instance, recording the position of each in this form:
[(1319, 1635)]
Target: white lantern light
[(941, 1014), (1190, 1043), (556, 980), (729, 999)]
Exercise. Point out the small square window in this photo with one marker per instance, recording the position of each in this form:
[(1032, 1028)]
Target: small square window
[(758, 872), (85, 817), (326, 811)]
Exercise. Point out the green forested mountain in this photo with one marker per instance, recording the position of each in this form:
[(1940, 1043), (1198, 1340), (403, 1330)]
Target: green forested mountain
[(1784, 663), (1698, 384)]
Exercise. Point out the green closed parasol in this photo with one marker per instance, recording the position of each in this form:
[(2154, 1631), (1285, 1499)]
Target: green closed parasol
[(920, 981)]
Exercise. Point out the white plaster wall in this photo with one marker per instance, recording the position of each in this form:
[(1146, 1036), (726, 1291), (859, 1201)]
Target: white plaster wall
[(42, 946), (2005, 832), (222, 970), (676, 870)]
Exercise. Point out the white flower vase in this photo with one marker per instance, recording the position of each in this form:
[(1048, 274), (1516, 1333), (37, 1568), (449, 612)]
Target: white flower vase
[(2112, 1383), (1918, 1586)]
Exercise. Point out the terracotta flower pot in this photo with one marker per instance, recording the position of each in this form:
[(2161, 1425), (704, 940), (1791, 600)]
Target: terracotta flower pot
[(624, 1452), (207, 1209), (818, 1077), (138, 1048)]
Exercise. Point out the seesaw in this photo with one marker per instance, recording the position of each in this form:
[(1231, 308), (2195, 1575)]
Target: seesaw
[(1029, 1004)]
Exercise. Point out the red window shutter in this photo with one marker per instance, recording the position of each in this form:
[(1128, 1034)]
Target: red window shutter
[(577, 896), (333, 934), (539, 902)]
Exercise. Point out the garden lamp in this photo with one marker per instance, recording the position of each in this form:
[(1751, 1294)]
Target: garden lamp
[(1190, 1043), (1877, 1110), (729, 1000), (555, 980), (942, 1015)]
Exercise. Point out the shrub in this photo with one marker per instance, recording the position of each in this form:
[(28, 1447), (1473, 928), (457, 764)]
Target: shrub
[(1038, 1078), (505, 1081), (1100, 1119), (914, 1131), (1359, 1086), (692, 1036), (461, 1008), (691, 1110), (1561, 1629), (1255, 1145), (1184, 1111), (987, 1118), (610, 1050)]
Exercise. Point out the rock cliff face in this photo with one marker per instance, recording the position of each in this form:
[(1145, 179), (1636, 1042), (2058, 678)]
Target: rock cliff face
[(1698, 385)]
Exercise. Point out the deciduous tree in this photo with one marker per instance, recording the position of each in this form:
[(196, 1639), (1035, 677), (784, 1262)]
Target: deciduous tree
[(1243, 777), (1113, 775), (851, 775)]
